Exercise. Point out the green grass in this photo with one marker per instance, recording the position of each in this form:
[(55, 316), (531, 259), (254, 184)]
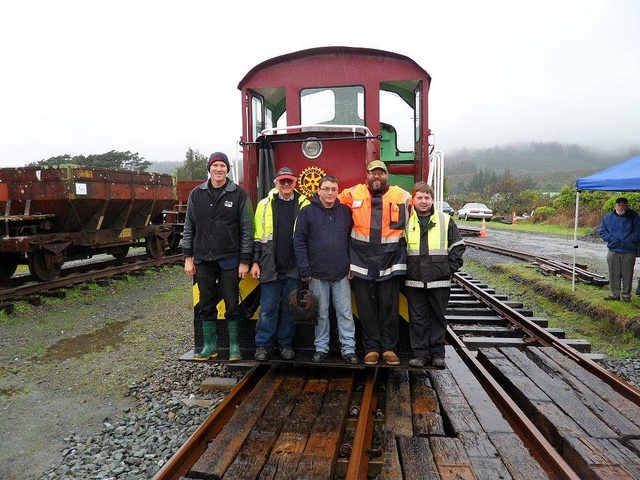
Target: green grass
[(583, 314), (523, 226)]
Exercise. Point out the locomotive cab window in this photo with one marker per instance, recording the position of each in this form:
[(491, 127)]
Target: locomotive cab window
[(397, 126), (268, 107), (332, 106)]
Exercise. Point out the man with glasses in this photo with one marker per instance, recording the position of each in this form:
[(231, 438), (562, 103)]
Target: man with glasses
[(274, 263), (321, 243), (378, 257)]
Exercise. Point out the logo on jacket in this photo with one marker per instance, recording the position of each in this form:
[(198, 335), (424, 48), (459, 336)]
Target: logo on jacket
[(228, 203)]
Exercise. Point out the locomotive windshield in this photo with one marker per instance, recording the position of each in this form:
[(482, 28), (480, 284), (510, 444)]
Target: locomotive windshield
[(332, 106)]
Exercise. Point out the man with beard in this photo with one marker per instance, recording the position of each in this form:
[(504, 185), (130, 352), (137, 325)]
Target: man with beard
[(378, 257)]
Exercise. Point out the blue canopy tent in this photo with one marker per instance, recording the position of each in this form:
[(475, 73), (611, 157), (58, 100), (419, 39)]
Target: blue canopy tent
[(622, 177)]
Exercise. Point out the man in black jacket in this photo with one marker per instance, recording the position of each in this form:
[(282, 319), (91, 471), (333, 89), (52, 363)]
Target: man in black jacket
[(321, 243), (434, 254), (217, 246), (274, 264)]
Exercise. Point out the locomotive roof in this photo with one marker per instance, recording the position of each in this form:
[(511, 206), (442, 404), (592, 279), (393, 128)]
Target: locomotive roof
[(338, 51)]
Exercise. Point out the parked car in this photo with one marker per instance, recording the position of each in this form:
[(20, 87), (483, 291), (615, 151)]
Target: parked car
[(446, 208), (475, 210)]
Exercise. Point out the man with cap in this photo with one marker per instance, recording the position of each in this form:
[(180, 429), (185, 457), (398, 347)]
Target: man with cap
[(620, 229), (217, 246), (377, 251), (274, 263)]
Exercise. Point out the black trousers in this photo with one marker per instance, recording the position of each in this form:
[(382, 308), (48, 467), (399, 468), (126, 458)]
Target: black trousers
[(427, 321), (378, 312), (215, 284)]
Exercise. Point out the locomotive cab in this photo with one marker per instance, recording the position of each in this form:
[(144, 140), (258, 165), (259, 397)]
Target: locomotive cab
[(330, 111)]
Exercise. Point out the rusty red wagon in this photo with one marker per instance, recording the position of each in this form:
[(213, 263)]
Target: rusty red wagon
[(51, 215)]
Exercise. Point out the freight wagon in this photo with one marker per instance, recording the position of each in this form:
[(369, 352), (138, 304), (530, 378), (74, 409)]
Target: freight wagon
[(54, 214)]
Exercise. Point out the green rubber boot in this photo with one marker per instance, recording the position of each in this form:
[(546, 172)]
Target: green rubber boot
[(234, 345), (210, 348)]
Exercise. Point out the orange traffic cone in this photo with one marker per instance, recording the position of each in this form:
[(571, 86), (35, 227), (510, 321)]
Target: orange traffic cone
[(483, 230)]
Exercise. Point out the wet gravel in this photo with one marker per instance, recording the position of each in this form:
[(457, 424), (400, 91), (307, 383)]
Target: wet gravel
[(136, 444)]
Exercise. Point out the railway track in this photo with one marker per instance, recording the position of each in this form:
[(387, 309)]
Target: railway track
[(516, 400), (27, 289), (547, 266)]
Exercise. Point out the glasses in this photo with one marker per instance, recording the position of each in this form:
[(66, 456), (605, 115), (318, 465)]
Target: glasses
[(377, 174), (329, 190), (285, 181)]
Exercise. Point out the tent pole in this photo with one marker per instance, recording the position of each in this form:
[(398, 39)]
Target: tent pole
[(575, 242)]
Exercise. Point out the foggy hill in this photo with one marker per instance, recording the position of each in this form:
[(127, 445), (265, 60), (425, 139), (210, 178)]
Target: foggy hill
[(550, 164)]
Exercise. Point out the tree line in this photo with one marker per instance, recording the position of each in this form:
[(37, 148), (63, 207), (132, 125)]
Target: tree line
[(112, 159)]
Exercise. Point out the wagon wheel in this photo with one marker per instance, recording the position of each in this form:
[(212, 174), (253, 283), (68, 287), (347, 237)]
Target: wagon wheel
[(45, 266), (8, 265), (119, 253), (154, 246)]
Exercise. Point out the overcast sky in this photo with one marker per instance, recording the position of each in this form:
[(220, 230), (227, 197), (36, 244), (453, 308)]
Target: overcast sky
[(155, 77)]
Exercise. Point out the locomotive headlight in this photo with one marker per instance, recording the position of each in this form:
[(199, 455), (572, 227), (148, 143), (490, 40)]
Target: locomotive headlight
[(312, 148)]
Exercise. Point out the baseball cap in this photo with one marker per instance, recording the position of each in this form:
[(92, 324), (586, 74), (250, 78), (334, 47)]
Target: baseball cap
[(285, 172), (377, 164)]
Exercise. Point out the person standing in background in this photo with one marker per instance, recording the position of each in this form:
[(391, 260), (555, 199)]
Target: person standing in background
[(621, 230)]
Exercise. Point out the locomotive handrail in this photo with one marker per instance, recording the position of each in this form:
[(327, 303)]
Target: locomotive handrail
[(354, 128), (326, 128)]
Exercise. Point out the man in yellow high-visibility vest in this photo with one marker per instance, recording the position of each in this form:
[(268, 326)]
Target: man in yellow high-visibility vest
[(434, 254)]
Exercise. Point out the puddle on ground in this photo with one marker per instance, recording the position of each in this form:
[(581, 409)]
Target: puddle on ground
[(111, 335)]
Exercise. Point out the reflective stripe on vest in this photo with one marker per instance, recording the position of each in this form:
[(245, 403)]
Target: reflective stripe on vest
[(435, 284)]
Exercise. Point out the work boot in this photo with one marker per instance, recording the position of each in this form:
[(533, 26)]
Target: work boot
[(210, 348), (234, 346)]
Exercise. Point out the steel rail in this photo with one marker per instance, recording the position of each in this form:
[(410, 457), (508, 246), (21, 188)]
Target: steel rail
[(187, 455), (549, 340), (73, 279), (565, 268), (363, 435), (549, 458)]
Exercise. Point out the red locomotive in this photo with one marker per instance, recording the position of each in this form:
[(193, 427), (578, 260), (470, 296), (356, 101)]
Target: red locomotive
[(328, 111)]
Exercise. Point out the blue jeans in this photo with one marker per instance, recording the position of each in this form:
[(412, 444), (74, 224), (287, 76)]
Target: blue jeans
[(340, 293), (274, 319)]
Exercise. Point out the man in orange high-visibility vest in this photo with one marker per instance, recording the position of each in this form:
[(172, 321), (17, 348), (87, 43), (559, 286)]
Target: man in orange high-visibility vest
[(378, 257)]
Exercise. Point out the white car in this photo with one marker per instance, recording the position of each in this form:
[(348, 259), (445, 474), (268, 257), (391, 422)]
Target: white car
[(475, 210)]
